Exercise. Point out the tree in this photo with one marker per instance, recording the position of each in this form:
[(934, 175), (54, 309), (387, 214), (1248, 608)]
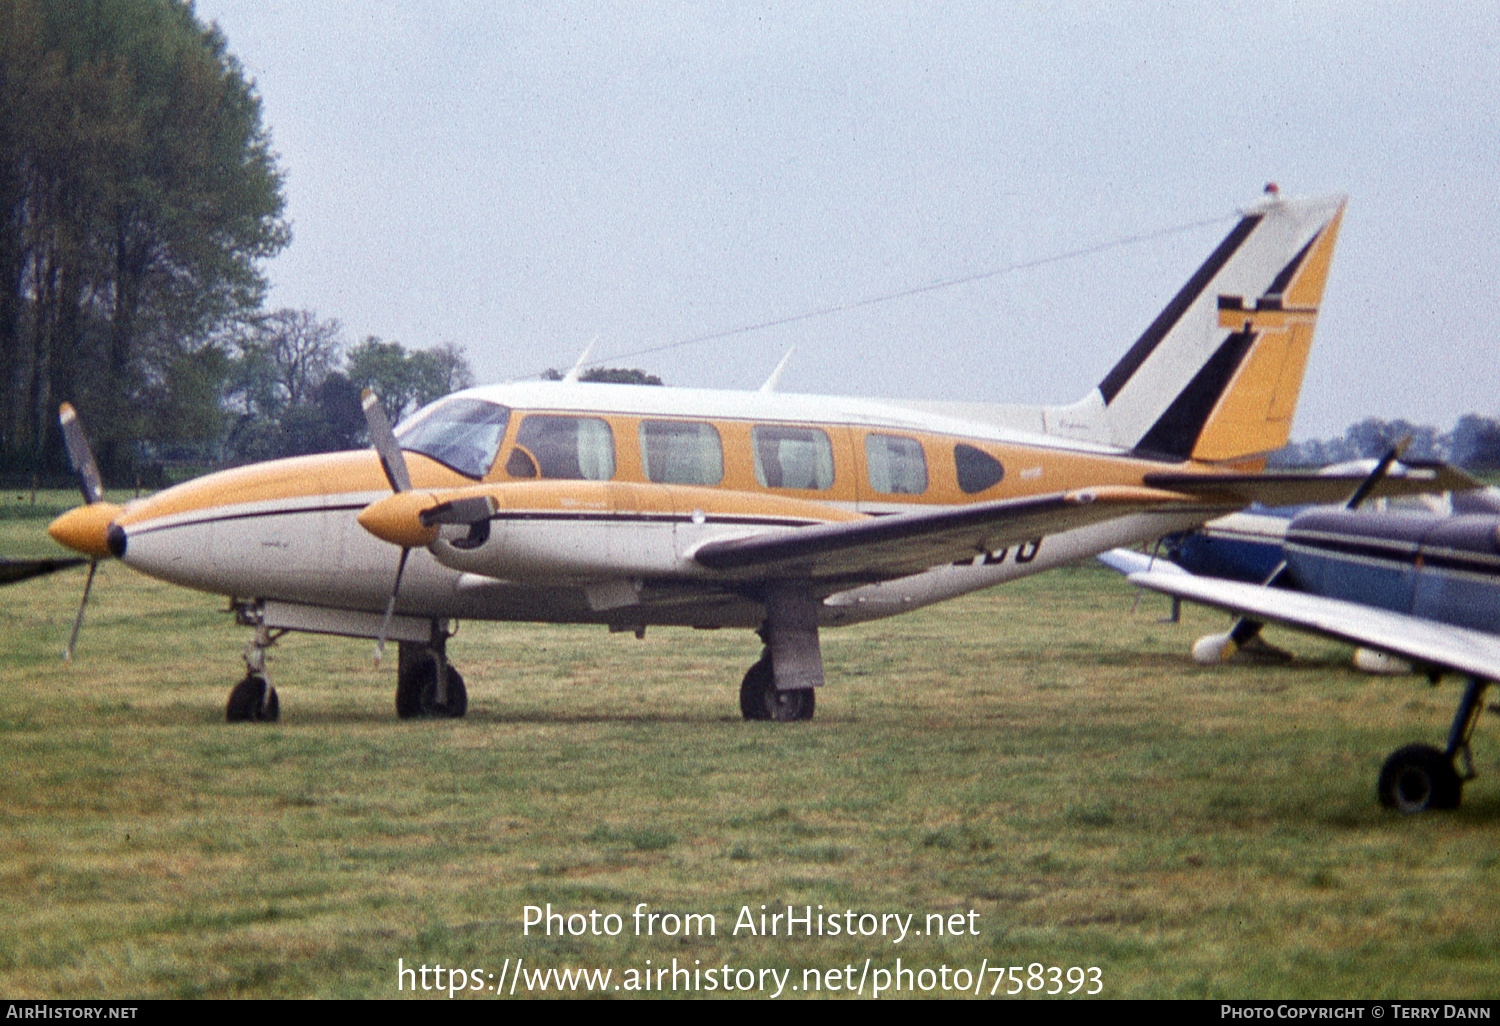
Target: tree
[(138, 197), (405, 381), (1476, 442), (292, 389), (275, 383), (609, 376), (441, 370)]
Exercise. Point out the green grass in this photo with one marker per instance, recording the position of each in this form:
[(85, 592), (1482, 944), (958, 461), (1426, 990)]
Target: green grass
[(1038, 755)]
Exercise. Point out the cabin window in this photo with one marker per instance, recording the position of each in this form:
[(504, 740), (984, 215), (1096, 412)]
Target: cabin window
[(566, 448), (895, 464), (463, 434), (977, 469), (681, 452), (792, 457)]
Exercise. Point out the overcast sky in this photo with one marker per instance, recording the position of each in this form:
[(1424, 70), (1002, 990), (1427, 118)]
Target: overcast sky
[(519, 178)]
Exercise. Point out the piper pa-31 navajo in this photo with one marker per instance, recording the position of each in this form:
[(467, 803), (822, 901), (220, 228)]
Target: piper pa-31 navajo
[(633, 507)]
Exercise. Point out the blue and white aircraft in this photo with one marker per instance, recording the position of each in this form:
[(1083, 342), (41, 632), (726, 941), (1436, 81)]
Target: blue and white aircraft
[(1418, 586)]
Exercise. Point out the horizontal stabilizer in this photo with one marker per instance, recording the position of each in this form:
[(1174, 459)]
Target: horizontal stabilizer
[(1311, 488)]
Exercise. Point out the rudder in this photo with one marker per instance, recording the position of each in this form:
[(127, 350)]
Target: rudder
[(1217, 375)]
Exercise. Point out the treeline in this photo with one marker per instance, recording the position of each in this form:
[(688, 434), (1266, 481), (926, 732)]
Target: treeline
[(1474, 444), (139, 197), (289, 384)]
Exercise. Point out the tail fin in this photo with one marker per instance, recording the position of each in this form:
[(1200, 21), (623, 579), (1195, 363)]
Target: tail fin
[(1216, 376)]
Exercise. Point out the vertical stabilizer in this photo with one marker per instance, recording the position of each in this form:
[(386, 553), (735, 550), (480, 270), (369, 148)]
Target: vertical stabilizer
[(1217, 374)]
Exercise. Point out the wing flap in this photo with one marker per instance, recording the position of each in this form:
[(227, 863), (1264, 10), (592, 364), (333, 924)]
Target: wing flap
[(1422, 641), (886, 547)]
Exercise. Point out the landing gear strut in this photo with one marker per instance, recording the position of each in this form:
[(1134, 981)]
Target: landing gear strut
[(253, 700), (427, 685), (780, 685), (761, 700), (1417, 778)]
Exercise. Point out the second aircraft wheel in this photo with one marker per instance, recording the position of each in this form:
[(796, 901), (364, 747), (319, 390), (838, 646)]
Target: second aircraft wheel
[(1417, 778)]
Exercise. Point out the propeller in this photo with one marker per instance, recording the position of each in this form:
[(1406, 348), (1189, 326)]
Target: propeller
[(14, 571), (1215, 648), (393, 462), (410, 518), (84, 529)]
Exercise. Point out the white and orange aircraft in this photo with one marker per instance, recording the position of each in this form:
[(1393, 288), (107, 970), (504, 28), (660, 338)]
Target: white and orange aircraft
[(633, 507)]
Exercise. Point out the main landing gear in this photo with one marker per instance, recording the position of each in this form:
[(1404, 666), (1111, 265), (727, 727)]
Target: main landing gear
[(760, 699), (427, 685), (780, 685), (1420, 777)]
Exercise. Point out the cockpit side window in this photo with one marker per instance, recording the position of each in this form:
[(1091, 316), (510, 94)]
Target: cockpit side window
[(463, 434), (563, 448), (895, 464), (681, 452), (792, 457)]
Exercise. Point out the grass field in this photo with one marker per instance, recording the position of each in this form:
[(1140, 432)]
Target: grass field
[(1040, 756)]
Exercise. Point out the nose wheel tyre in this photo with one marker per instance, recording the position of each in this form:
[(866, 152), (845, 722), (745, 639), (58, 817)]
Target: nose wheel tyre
[(252, 700)]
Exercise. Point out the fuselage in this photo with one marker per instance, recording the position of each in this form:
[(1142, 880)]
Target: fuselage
[(1435, 565), (1444, 568), (601, 495)]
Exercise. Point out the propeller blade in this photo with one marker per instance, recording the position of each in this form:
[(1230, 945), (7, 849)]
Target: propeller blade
[(390, 607), (80, 454), (384, 441), (88, 586), (1378, 474), (13, 571)]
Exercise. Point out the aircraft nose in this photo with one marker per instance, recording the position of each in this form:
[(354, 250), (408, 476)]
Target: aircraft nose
[(86, 529)]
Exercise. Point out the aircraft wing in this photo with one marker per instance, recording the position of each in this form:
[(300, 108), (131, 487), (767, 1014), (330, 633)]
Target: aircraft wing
[(887, 547), (1422, 641), (1129, 561)]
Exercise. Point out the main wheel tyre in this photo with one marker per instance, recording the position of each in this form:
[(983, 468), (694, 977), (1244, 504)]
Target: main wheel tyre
[(1417, 778), (251, 702), (416, 693), (760, 699)]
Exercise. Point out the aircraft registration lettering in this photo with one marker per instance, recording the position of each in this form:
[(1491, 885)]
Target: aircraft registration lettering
[(1025, 552)]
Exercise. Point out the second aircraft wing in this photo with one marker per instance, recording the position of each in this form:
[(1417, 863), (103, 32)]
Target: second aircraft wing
[(1422, 641)]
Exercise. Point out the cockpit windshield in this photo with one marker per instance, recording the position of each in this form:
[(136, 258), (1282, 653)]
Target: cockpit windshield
[(463, 433)]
